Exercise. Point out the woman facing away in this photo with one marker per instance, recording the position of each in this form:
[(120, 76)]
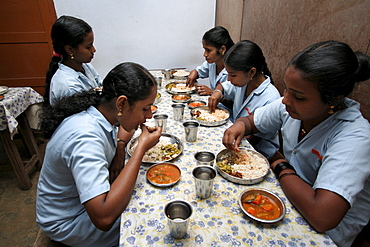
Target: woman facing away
[(84, 184), (70, 70), (324, 169), (248, 72), (216, 42)]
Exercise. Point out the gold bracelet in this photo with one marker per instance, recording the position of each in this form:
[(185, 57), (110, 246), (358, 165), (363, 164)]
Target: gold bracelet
[(120, 140)]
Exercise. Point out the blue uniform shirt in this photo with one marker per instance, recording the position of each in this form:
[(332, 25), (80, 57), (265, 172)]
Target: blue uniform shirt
[(333, 156), (261, 96), (75, 170), (66, 81)]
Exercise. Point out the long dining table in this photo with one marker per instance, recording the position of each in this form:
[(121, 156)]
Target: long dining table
[(217, 220)]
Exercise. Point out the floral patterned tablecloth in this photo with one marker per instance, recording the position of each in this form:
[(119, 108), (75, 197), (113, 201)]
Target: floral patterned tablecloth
[(216, 221), (14, 103)]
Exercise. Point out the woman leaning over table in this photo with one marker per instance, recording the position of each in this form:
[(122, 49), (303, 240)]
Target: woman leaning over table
[(84, 185), (70, 70), (216, 42), (324, 169), (248, 72)]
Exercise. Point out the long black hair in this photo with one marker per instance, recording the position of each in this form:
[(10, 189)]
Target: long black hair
[(129, 79), (67, 30), (217, 37), (334, 67), (245, 55)]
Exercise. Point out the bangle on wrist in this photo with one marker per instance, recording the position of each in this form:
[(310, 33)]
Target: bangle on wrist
[(222, 95), (282, 166), (288, 173), (120, 140)]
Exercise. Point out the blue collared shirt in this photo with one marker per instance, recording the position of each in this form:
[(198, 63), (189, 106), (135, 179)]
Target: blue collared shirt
[(75, 170), (66, 81), (333, 156)]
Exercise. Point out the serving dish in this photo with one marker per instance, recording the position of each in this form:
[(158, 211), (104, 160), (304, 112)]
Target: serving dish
[(157, 98), (208, 119), (163, 174), (181, 97), (180, 74), (255, 164), (163, 155), (262, 205), (3, 90), (196, 103), (179, 87), (153, 108)]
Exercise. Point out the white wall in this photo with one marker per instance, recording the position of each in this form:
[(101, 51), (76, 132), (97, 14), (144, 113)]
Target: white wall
[(155, 33)]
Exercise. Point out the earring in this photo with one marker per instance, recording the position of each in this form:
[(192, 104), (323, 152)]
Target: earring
[(330, 111), (251, 78), (72, 57), (119, 113)]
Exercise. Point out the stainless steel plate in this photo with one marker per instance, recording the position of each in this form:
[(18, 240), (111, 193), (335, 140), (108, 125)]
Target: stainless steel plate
[(209, 123), (170, 85), (167, 137), (3, 90), (225, 154)]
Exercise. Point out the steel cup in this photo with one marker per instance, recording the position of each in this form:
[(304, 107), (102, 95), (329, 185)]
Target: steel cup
[(205, 158), (178, 213), (161, 121), (159, 81), (167, 74), (178, 111), (204, 177), (191, 130)]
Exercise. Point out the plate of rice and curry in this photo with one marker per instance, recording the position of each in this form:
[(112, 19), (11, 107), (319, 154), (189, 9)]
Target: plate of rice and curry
[(244, 167)]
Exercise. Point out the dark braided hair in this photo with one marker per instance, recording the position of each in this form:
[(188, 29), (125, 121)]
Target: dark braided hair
[(245, 55), (129, 79), (217, 37), (334, 67), (67, 30)]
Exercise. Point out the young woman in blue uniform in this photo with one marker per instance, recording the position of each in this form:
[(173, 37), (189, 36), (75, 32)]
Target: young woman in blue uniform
[(84, 184), (216, 42), (248, 72), (70, 70), (324, 169)]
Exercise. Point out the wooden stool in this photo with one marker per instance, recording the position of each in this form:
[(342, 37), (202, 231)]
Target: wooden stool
[(22, 169)]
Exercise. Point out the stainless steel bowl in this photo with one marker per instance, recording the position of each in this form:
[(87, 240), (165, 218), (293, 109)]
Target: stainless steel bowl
[(158, 98), (162, 184), (225, 154), (193, 114), (268, 194), (184, 97), (196, 101)]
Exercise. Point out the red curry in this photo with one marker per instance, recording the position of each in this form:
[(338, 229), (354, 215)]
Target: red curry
[(261, 207)]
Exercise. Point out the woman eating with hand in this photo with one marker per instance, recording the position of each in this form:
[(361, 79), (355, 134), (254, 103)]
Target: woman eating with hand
[(84, 184), (324, 169)]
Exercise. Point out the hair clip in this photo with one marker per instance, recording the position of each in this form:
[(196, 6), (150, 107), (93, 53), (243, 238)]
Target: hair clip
[(56, 54)]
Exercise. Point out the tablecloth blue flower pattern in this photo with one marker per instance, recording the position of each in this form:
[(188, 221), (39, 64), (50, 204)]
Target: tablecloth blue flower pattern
[(216, 221), (16, 101)]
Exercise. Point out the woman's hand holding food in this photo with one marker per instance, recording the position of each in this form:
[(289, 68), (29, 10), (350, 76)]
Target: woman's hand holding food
[(149, 136), (213, 100), (192, 78), (233, 136)]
